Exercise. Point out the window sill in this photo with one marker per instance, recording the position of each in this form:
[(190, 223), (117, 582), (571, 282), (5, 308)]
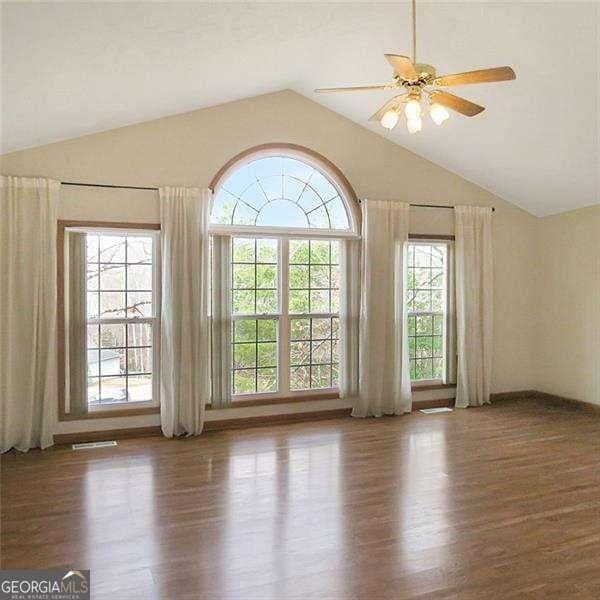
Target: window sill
[(415, 387), (309, 397), (109, 414)]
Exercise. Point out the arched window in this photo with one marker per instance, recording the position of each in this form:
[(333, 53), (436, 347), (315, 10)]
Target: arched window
[(279, 218), (282, 187)]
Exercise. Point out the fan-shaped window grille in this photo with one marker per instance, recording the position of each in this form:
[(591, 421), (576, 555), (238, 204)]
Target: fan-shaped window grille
[(280, 191)]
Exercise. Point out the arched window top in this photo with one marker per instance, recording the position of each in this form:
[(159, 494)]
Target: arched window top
[(283, 187)]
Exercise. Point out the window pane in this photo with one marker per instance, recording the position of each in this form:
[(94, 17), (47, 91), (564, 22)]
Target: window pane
[(112, 304), (321, 376), (300, 329), (267, 330), (139, 277), (244, 355), (424, 324), (299, 276), (321, 352), (112, 335), (139, 304), (266, 380), (113, 361), (299, 301), (319, 301), (300, 378), (112, 277), (300, 353), (319, 252), (244, 276), (321, 329), (266, 250), (319, 277), (112, 248), (139, 388), (299, 252), (139, 334), (113, 390), (266, 301), (244, 382), (243, 250), (243, 301), (244, 331), (267, 354), (266, 276), (139, 249), (139, 360)]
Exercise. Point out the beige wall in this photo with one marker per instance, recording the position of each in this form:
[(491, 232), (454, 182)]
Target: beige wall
[(568, 305), (188, 149)]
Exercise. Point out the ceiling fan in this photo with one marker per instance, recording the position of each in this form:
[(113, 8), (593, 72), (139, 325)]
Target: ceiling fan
[(420, 80)]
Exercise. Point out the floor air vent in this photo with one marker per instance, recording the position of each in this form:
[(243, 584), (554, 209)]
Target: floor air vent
[(89, 445), (430, 411)]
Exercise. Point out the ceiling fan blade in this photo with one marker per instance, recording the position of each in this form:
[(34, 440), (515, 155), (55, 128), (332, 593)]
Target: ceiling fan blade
[(395, 102), (402, 66), (456, 103), (482, 76), (362, 88)]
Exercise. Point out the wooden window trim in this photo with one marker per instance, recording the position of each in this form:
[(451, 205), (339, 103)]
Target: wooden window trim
[(62, 225)]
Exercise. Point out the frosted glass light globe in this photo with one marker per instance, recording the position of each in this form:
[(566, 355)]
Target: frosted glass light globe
[(412, 110), (438, 113), (390, 119), (414, 124)]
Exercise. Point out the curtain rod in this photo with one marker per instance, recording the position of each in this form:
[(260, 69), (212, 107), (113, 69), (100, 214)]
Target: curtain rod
[(155, 189)]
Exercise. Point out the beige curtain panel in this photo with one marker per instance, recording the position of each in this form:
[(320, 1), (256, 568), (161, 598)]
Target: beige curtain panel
[(384, 374), (27, 312), (185, 328), (474, 304)]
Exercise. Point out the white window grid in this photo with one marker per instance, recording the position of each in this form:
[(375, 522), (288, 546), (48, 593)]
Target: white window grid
[(127, 321), (427, 329), (283, 319)]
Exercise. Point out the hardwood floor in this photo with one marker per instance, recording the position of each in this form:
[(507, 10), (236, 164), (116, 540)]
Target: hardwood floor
[(496, 502)]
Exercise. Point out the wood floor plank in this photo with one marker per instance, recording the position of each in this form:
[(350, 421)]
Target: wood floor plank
[(497, 502)]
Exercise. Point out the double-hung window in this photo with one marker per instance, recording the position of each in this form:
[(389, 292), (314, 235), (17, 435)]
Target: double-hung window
[(111, 279), (285, 299), (287, 218), (428, 298)]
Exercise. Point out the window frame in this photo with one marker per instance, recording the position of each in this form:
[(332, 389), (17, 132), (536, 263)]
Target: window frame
[(121, 408), (284, 234), (448, 345)]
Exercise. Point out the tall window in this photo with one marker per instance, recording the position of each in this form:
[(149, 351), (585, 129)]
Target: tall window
[(121, 318), (287, 215), (427, 303)]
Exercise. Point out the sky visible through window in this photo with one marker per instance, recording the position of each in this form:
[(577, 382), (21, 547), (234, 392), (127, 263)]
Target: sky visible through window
[(280, 191)]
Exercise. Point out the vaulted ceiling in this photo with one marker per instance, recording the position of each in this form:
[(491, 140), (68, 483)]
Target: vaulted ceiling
[(70, 69)]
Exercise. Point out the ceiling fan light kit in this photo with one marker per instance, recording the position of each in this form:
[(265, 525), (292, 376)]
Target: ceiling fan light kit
[(420, 80)]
